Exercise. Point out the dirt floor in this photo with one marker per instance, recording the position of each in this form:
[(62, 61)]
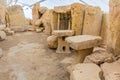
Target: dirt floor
[(27, 57)]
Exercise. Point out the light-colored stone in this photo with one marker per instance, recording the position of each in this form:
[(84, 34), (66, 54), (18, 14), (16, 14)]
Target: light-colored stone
[(17, 18), (111, 70), (85, 71), (114, 37), (99, 57), (35, 11), (43, 10), (45, 21), (52, 41), (2, 27), (8, 31), (62, 45), (83, 41), (63, 32), (92, 21), (77, 14), (2, 13), (2, 35), (1, 53), (62, 9), (104, 31)]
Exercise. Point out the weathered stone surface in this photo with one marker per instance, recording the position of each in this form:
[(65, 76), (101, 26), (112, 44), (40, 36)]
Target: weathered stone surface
[(63, 32), (99, 57), (43, 10), (62, 9), (1, 53), (8, 31), (84, 71), (104, 31), (17, 18), (77, 14), (83, 41), (2, 35), (114, 38), (2, 27), (35, 11), (111, 70), (52, 41), (2, 13), (45, 21), (92, 21)]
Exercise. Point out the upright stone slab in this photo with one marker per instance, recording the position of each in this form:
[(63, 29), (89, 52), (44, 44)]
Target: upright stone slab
[(35, 11), (114, 38), (92, 21), (16, 18), (105, 26), (77, 13)]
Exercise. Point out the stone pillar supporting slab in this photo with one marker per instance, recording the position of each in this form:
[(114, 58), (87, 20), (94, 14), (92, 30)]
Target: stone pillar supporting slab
[(83, 45)]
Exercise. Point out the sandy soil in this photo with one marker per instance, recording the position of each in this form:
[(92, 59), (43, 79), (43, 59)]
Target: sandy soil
[(27, 57)]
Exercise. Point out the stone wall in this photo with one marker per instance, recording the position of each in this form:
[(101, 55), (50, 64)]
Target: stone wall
[(114, 38), (77, 13), (92, 21)]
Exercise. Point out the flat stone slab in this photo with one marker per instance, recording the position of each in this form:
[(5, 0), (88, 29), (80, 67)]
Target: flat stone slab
[(63, 32), (84, 71), (83, 41), (111, 70)]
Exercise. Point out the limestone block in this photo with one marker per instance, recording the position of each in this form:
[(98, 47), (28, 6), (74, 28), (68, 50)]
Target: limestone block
[(63, 32), (83, 41), (111, 70), (62, 9), (92, 21), (1, 53), (2, 35), (2, 13), (84, 71), (77, 14), (45, 21), (35, 11), (17, 18), (54, 21), (62, 45), (99, 57), (114, 38), (104, 31), (52, 41)]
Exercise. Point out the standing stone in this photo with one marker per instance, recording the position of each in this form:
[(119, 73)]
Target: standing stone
[(92, 21), (111, 70), (35, 11), (17, 18), (105, 27), (77, 13), (114, 38), (85, 71)]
